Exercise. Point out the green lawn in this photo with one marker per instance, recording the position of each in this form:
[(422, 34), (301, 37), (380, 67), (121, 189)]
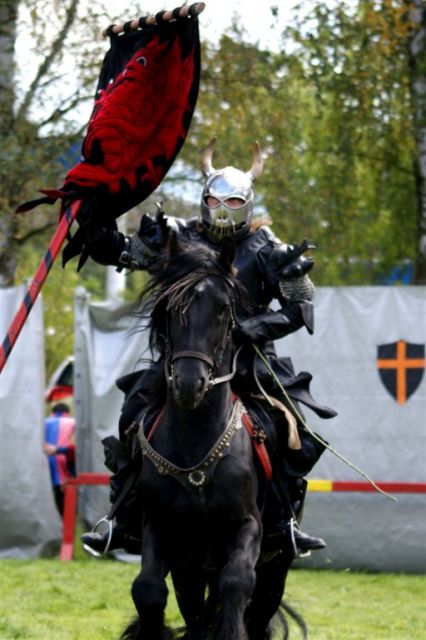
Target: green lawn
[(88, 599)]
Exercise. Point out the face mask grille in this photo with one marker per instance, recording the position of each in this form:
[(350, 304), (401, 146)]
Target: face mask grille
[(219, 232), (222, 217)]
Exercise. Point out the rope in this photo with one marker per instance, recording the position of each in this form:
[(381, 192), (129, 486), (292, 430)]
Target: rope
[(314, 435)]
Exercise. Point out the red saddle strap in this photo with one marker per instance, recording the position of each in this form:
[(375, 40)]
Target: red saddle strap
[(257, 440), (155, 425)]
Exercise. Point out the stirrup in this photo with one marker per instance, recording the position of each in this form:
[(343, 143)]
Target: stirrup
[(298, 555), (93, 552)]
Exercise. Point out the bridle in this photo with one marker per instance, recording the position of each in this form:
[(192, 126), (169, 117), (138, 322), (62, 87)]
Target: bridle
[(198, 355), (212, 362)]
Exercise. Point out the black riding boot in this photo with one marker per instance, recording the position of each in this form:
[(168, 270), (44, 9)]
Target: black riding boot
[(114, 537), (118, 533), (121, 528), (284, 510)]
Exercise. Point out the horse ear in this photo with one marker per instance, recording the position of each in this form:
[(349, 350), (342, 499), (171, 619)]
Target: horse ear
[(173, 243), (227, 253)]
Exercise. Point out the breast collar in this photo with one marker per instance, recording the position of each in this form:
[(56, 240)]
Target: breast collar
[(197, 476)]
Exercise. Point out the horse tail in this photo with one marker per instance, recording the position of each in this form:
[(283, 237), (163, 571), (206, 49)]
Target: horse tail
[(134, 632), (286, 610)]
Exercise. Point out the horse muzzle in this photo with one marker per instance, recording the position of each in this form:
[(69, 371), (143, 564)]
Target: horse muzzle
[(189, 379)]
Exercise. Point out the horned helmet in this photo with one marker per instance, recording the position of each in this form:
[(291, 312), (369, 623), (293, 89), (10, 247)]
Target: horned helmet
[(227, 197)]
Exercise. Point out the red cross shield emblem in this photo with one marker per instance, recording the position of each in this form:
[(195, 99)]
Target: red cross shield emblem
[(401, 366)]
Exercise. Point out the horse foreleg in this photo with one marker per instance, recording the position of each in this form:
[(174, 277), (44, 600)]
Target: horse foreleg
[(237, 581), (266, 598), (149, 590), (190, 595)]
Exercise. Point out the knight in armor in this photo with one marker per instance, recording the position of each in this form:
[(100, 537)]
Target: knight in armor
[(268, 270)]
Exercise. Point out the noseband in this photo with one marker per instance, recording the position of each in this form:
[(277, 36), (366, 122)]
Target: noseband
[(198, 355)]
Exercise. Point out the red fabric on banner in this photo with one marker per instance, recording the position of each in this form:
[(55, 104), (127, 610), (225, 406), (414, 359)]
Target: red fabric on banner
[(135, 136)]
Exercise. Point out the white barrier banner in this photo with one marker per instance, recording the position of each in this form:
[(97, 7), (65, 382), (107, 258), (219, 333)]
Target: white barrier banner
[(367, 357), (29, 522)]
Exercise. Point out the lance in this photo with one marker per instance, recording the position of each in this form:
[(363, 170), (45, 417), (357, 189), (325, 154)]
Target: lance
[(69, 215)]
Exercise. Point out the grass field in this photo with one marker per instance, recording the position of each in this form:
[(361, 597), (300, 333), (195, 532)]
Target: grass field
[(88, 599)]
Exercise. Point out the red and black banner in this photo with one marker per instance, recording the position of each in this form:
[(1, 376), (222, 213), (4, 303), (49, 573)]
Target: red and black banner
[(146, 95), (401, 366)]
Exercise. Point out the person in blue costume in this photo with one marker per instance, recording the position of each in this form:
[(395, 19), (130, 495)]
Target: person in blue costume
[(59, 446)]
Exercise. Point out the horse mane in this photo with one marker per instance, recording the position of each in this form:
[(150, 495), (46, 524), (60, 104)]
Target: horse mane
[(172, 278)]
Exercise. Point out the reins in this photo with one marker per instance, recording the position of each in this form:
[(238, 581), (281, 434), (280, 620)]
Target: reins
[(178, 296)]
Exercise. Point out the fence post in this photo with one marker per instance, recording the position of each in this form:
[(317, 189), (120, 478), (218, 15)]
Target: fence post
[(70, 508)]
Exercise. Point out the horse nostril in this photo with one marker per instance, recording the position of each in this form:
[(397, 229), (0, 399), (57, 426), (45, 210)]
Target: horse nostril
[(201, 383)]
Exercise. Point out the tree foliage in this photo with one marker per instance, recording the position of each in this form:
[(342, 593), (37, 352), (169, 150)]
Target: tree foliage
[(334, 114), (417, 59), (34, 132), (363, 139)]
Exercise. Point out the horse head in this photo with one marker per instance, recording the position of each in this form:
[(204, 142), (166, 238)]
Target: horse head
[(199, 327), (194, 312)]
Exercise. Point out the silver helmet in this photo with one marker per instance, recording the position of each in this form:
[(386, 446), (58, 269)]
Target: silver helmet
[(227, 197)]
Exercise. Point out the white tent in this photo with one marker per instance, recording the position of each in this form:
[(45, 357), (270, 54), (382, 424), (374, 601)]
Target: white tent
[(29, 522)]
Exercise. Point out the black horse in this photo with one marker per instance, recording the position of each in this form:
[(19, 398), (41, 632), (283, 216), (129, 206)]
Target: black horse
[(202, 491)]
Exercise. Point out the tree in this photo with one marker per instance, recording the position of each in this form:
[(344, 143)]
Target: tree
[(8, 16), (362, 143), (417, 60), (334, 113), (28, 155)]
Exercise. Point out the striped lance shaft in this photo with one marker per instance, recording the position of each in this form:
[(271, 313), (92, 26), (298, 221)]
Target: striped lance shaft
[(69, 215)]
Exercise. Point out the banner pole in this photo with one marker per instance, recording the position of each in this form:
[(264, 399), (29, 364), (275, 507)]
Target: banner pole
[(38, 281)]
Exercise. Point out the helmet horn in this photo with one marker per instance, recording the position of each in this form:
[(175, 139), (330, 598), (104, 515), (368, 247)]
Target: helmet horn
[(257, 164), (206, 158)]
